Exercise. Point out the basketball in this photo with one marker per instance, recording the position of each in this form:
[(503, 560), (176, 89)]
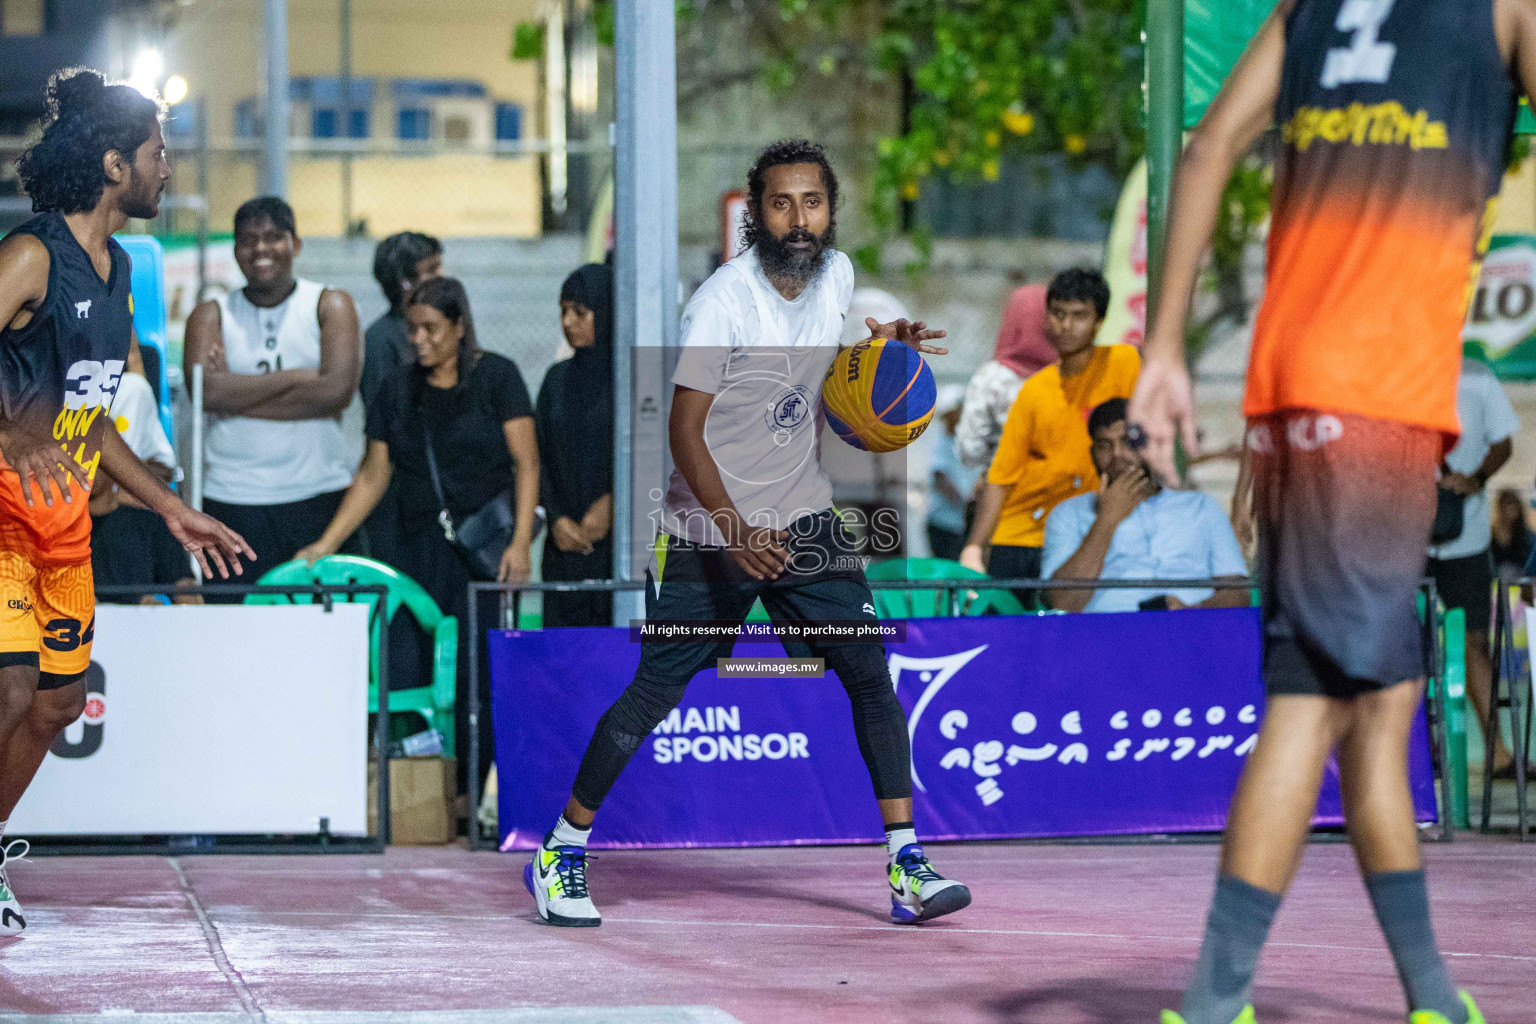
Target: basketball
[(879, 395)]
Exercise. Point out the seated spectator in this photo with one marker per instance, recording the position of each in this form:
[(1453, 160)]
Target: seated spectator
[(1043, 457), (1511, 533), (1023, 349), (1131, 529), (130, 546)]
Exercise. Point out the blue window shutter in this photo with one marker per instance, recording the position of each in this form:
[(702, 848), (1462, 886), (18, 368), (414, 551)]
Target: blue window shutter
[(322, 124), (415, 123), (509, 122)]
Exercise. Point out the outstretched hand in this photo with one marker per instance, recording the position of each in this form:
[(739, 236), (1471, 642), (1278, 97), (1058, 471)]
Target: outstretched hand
[(1164, 408), (913, 333), (206, 538)]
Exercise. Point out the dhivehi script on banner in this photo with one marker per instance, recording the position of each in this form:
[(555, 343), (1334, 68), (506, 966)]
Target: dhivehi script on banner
[(1056, 725), (1501, 316), (213, 719)]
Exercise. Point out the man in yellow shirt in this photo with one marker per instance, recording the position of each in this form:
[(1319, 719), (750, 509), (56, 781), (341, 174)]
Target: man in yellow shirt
[(1044, 457)]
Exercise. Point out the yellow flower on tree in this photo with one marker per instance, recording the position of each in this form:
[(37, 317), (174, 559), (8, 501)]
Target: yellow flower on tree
[(991, 169), (1075, 144), (993, 139), (909, 191), (1019, 122)]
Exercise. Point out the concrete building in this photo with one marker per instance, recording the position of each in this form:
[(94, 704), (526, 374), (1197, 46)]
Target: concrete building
[(435, 127)]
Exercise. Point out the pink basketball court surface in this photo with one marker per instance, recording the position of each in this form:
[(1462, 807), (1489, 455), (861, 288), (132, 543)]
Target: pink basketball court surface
[(1057, 935)]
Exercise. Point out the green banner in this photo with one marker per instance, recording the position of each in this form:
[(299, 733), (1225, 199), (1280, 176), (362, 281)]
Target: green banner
[(1501, 318), (1215, 34)]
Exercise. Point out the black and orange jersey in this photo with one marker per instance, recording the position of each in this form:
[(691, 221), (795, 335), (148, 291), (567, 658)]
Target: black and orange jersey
[(58, 375), (1395, 122)]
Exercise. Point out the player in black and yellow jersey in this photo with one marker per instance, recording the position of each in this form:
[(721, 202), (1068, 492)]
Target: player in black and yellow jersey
[(67, 321), (1394, 120)]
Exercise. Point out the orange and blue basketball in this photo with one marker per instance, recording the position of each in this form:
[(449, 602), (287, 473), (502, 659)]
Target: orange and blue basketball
[(879, 395)]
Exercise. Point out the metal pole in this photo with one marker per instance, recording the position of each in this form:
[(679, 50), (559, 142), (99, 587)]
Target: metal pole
[(645, 270), (274, 181), (555, 96), (1165, 127), (202, 190), (345, 128), (197, 436)]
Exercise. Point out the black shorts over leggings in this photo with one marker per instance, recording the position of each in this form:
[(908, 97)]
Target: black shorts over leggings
[(696, 582)]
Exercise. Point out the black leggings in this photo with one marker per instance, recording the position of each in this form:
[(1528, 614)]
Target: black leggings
[(701, 582), (879, 724)]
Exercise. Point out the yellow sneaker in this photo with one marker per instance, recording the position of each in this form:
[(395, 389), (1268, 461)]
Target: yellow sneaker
[(1246, 1017), (1474, 1015)]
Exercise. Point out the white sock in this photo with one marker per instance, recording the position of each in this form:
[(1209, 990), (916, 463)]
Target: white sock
[(566, 834), (896, 838)]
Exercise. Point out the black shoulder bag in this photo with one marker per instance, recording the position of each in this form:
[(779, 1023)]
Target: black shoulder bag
[(481, 537)]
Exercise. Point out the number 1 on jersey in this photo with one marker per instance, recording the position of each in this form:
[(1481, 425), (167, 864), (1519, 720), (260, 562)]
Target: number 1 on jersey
[(1366, 58)]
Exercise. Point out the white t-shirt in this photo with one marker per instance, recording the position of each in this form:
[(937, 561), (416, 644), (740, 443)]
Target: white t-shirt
[(138, 421), (253, 461), (1486, 419), (763, 357)]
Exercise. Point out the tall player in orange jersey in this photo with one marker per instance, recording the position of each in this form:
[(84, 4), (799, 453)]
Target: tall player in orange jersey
[(66, 319), (1395, 118)]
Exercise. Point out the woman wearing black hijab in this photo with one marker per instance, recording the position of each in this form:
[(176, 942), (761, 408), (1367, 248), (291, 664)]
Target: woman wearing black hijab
[(574, 421)]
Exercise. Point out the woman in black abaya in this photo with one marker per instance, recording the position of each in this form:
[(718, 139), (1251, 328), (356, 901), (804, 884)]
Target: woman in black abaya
[(574, 421)]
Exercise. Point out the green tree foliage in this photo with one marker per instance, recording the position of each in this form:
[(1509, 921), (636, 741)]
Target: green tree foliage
[(987, 80)]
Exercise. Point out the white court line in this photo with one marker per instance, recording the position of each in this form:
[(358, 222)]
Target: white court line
[(216, 948), (248, 914)]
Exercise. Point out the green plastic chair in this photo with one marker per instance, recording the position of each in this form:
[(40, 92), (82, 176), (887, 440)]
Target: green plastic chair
[(930, 604), (435, 703)]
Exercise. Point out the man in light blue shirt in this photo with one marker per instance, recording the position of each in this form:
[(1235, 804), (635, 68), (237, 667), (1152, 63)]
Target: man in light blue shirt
[(1133, 530)]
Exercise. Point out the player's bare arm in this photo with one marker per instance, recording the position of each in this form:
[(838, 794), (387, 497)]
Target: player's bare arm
[(516, 564), (326, 392), (207, 539), (989, 509), (226, 393), (1515, 23), (1163, 405), (367, 490), (36, 460), (758, 550)]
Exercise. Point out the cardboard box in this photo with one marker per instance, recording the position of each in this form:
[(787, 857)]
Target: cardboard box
[(421, 792)]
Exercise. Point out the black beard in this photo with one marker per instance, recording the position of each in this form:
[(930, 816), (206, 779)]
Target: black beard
[(142, 207), (795, 266)]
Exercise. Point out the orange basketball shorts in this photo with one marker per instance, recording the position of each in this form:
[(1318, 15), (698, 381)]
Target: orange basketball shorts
[(47, 618)]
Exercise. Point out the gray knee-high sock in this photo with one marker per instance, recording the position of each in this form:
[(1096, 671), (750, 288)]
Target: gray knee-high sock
[(1235, 932), (1401, 900)]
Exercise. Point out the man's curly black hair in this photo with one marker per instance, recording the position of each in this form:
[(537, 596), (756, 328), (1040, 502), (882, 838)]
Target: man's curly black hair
[(779, 154), (85, 120)]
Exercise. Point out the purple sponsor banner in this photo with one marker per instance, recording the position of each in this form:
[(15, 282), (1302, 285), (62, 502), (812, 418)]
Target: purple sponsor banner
[(1059, 725)]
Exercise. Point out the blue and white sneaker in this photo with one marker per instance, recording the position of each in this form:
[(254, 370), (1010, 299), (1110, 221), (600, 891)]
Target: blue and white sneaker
[(919, 893), (557, 878), (10, 911)]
